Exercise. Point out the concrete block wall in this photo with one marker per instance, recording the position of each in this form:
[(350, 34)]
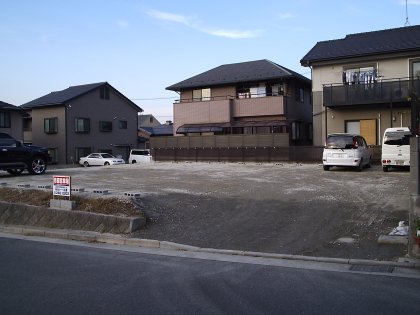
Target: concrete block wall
[(20, 214)]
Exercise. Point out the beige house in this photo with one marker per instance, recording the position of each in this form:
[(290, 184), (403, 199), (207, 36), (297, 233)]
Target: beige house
[(80, 120), (364, 83), (248, 98), (11, 120)]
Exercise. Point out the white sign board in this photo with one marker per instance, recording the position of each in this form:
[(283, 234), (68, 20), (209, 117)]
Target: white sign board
[(61, 186)]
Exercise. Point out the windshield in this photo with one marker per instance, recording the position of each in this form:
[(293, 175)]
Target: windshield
[(339, 142), (397, 138)]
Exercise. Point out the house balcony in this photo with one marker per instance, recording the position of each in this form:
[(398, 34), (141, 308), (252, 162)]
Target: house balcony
[(223, 109), (386, 91), (259, 106)]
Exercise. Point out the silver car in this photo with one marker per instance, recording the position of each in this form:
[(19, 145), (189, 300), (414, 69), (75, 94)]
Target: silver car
[(345, 149)]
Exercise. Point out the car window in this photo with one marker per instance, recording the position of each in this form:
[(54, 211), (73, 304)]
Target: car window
[(339, 142), (140, 152), (397, 138), (94, 156), (107, 156), (7, 142)]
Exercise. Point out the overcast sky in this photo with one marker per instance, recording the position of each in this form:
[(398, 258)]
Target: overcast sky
[(141, 47)]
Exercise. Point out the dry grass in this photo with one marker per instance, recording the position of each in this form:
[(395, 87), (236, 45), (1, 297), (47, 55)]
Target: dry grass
[(36, 197)]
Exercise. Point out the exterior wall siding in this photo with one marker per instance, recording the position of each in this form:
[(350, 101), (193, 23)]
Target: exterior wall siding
[(389, 67), (119, 141), (16, 126), (50, 141)]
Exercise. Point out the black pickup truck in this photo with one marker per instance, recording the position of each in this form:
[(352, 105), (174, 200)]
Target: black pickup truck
[(16, 157)]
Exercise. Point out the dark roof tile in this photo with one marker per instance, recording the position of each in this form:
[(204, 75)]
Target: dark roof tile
[(60, 97), (250, 71), (364, 44), (4, 105)]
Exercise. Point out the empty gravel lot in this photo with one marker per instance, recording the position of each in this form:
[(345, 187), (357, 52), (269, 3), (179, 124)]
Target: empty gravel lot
[(280, 208)]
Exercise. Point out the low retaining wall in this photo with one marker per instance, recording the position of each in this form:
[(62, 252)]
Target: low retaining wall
[(21, 214)]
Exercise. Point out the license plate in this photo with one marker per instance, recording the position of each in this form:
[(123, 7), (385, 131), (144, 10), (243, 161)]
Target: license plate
[(399, 162), (339, 155)]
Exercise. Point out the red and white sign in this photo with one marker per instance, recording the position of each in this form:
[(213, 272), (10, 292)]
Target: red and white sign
[(62, 186)]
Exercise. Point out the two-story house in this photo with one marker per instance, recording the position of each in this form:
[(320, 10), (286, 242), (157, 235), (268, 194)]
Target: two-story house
[(247, 98), (82, 119), (364, 83), (11, 120)]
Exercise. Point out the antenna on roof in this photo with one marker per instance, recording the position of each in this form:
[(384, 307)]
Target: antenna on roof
[(406, 14)]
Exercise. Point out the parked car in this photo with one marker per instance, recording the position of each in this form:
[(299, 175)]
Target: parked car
[(139, 156), (15, 156), (344, 149), (396, 148), (99, 159)]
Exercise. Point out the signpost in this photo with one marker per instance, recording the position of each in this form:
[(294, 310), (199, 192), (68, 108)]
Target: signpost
[(62, 186)]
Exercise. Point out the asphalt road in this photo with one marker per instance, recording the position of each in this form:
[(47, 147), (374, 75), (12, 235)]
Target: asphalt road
[(47, 278), (281, 208)]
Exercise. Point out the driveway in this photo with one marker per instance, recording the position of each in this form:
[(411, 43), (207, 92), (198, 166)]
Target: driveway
[(280, 208)]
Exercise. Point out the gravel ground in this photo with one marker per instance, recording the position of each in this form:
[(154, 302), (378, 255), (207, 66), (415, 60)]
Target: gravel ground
[(280, 208)]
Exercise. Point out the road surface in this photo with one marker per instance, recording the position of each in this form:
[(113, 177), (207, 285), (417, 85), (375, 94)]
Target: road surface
[(41, 276)]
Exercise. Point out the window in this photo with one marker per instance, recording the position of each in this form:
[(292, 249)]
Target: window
[(201, 95), (259, 90), (296, 130), (300, 95), (50, 125), (82, 125), (105, 126), (104, 92), (360, 75), (122, 124), (4, 119), (415, 69), (151, 119)]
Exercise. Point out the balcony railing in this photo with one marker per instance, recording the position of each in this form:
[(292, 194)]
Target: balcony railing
[(386, 91)]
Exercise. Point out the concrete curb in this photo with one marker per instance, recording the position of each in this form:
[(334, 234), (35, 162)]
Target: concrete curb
[(114, 239)]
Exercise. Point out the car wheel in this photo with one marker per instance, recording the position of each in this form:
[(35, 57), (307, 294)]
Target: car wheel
[(15, 171), (359, 168), (326, 168), (385, 168), (106, 163), (369, 165), (86, 164), (37, 166), (134, 162)]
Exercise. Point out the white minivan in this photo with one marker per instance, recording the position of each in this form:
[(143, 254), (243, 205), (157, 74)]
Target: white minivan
[(139, 156), (396, 148), (345, 149)]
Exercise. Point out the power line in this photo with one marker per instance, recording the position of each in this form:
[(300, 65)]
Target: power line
[(406, 14)]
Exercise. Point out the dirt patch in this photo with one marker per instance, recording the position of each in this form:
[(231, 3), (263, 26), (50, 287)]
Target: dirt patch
[(280, 208), (35, 197)]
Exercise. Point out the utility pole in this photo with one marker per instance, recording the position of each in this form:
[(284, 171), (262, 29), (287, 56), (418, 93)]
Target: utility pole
[(414, 205)]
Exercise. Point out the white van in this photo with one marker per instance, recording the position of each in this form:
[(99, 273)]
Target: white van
[(396, 148), (139, 156)]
